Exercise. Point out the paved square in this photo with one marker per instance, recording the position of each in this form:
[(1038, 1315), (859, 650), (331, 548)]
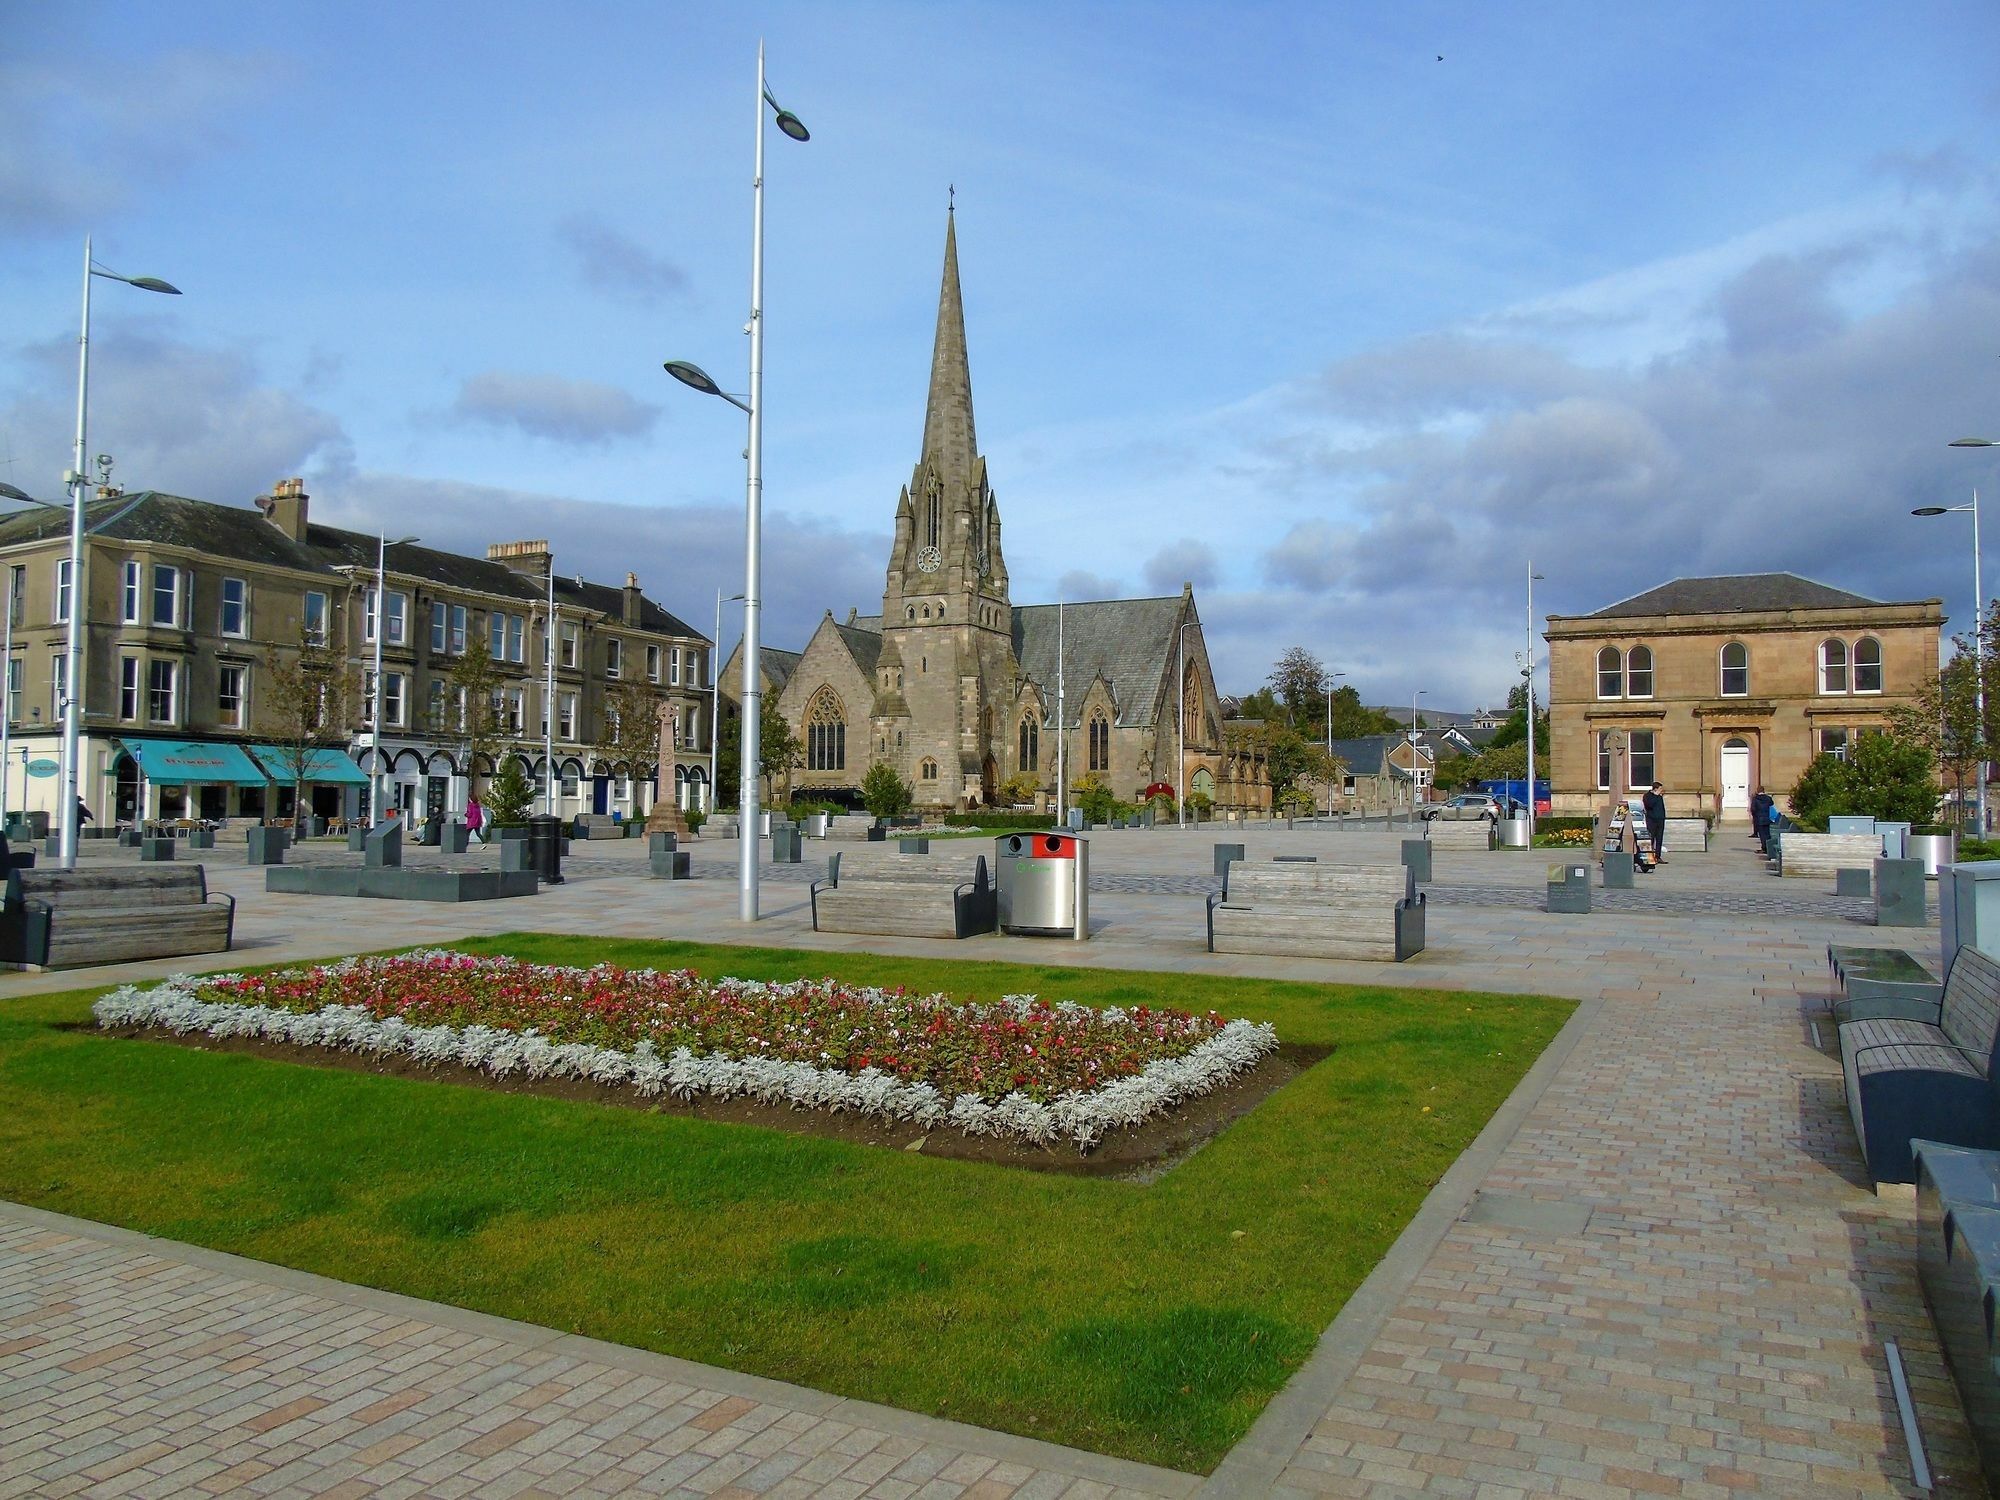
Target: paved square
[(1659, 1272)]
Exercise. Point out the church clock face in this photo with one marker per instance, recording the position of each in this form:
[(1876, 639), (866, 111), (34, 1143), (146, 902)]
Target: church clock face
[(929, 560)]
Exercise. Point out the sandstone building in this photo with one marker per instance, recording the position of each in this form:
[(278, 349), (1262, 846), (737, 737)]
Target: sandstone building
[(1727, 686), (956, 686), (186, 599)]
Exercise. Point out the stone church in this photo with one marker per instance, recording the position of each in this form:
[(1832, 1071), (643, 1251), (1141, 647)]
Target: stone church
[(957, 686)]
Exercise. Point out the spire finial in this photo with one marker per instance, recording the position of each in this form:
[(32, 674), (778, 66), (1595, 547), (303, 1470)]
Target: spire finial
[(950, 198)]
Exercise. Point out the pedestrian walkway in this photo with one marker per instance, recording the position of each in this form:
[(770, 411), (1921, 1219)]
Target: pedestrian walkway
[(1660, 1270)]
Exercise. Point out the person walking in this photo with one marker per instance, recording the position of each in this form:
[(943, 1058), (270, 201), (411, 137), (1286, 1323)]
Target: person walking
[(475, 817), (1760, 820), (1655, 806)]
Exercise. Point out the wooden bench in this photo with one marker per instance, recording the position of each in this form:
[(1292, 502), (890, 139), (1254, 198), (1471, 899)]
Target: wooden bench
[(65, 919), (1929, 1078), (1475, 833), (849, 828), (906, 895), (1318, 911), (1821, 854)]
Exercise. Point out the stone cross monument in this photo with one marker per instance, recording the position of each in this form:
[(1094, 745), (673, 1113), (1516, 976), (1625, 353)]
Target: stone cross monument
[(1614, 828), (666, 814)]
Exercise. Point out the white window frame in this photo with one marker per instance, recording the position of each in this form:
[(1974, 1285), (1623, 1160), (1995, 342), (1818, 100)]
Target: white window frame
[(128, 689), (1827, 667), (176, 597), (517, 639), (1854, 666), (652, 664), (173, 673), (240, 716), (1723, 669), (1825, 743), (130, 576), (674, 667), (568, 634), (14, 676), (566, 717), (315, 634), (58, 667), (1633, 672), (59, 613), (440, 625), (242, 629), (1650, 755), (614, 657), (395, 700), (1617, 674)]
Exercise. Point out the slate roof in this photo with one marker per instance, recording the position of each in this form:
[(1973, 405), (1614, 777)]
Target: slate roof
[(236, 534), (1368, 755), (864, 644), (1126, 641), (778, 665), (222, 531), (1734, 593)]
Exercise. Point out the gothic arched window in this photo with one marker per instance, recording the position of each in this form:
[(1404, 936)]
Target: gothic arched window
[(1031, 743), (826, 732), (934, 513), (1100, 742), (928, 770)]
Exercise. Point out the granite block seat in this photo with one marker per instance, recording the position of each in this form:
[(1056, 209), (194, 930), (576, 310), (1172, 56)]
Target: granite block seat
[(599, 826), (1474, 833), (1879, 983), (1686, 836), (1319, 911), (1958, 1265), (66, 919), (1929, 1079), (1821, 855), (906, 895), (16, 857)]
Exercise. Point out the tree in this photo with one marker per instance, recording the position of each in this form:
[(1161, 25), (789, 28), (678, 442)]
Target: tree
[(631, 727), (308, 699), (1882, 776), (884, 793), (778, 749), (1513, 729), (478, 683), (1294, 761), (1300, 681), (1942, 717), (1351, 721), (510, 796), (1018, 788), (1093, 795)]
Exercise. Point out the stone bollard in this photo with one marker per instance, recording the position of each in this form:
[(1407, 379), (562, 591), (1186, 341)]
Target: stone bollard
[(1617, 870), (1417, 855), (1899, 893), (267, 845), (383, 849), (156, 851)]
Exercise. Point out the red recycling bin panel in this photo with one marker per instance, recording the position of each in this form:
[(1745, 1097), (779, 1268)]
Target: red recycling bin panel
[(1054, 846)]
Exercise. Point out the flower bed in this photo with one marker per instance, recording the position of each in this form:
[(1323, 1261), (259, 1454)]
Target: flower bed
[(1022, 1067)]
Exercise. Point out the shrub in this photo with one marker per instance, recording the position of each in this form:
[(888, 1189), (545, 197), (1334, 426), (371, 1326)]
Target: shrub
[(1093, 795), (1007, 820), (695, 818), (883, 792), (1882, 777), (509, 796)]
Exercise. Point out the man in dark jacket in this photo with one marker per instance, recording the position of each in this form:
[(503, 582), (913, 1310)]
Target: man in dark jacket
[(1655, 806), (1760, 820)]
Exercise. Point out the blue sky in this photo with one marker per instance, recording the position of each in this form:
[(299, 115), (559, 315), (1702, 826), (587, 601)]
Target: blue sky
[(1265, 297)]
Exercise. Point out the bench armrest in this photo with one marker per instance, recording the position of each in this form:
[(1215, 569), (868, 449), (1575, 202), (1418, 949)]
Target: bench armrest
[(1215, 899), (817, 887), (1978, 1058)]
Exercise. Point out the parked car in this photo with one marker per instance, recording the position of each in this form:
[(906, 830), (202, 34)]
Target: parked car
[(1464, 808)]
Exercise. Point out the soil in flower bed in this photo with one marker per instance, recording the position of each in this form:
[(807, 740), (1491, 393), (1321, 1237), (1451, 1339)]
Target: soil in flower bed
[(1141, 1153)]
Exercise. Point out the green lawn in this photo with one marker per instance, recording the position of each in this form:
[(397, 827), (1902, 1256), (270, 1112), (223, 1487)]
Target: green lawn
[(1151, 1322)]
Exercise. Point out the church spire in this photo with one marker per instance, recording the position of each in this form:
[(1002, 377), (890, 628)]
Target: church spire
[(950, 447)]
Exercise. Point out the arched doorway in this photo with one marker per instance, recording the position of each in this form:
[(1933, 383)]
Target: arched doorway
[(989, 781), (1734, 777), (125, 796)]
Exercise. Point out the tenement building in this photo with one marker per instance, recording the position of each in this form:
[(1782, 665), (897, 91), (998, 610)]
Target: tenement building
[(1727, 686), (962, 690), (190, 607)]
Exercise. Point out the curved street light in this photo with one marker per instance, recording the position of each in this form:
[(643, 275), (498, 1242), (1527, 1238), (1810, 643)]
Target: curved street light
[(752, 406), (78, 482), (1978, 614)]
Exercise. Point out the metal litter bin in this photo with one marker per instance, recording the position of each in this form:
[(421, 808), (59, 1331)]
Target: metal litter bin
[(1512, 833), (784, 844), (1569, 888), (545, 847), (1043, 884)]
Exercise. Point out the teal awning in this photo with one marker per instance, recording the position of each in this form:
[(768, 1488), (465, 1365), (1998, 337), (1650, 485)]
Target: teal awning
[(324, 767), (194, 763)]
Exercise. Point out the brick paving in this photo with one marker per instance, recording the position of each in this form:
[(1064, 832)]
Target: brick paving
[(1670, 1277)]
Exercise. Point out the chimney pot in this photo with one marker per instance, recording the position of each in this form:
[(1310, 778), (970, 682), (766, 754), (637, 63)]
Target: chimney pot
[(285, 507)]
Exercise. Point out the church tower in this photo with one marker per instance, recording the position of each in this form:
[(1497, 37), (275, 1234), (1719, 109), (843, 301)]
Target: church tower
[(947, 669)]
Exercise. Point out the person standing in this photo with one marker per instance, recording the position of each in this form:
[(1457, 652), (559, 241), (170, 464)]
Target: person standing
[(1760, 820), (1655, 806)]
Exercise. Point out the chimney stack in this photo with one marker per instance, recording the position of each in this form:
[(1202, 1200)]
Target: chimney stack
[(531, 558), (285, 507), (633, 600)]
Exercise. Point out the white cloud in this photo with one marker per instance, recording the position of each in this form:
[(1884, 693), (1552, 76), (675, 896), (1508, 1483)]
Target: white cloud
[(548, 406)]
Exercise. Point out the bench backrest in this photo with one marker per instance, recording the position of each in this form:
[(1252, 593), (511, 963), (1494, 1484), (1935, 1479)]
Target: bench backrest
[(1970, 1011), (943, 870), (1321, 885), (80, 890)]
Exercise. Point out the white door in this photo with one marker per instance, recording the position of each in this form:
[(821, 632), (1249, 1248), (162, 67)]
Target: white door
[(1736, 777)]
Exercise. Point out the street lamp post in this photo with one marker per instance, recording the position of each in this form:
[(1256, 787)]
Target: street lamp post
[(1331, 679), (549, 702), (753, 529), (382, 546), (78, 483), (8, 492), (1414, 696), (1978, 618), (1180, 692), (715, 701), (1529, 674)]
